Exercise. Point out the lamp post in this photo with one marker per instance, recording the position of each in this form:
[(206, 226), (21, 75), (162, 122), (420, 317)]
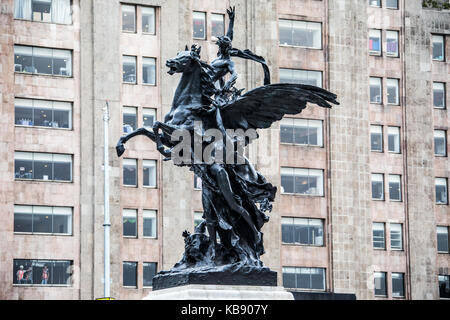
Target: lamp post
[(107, 222)]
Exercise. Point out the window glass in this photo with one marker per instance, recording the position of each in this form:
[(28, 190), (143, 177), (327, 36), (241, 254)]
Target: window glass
[(302, 231), (42, 113), (129, 119), (442, 239), (23, 59), (148, 20), (444, 286), (392, 43), (42, 219), (375, 42), (62, 115), (128, 18), (441, 191), (130, 274), (62, 220), (149, 117), (150, 270), (304, 278), (302, 181), (198, 218), (392, 91), (217, 25), (398, 285), (199, 23), (375, 3), (149, 71), (395, 189), (377, 187), (61, 11), (301, 131), (439, 95), (129, 69), (394, 139), (438, 47), (392, 4), (23, 112), (375, 90), (42, 10), (43, 60), (197, 182), (62, 62), (129, 223), (307, 77), (380, 284), (23, 165), (149, 173), (129, 172), (376, 138), (149, 223), (23, 218), (42, 166), (440, 143), (378, 235), (42, 272), (300, 33), (62, 167), (396, 236), (22, 9)]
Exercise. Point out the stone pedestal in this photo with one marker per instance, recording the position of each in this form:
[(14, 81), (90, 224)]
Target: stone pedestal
[(220, 292)]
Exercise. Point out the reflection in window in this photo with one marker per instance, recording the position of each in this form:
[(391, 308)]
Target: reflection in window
[(376, 138), (129, 119), (380, 284), (375, 90), (440, 143), (395, 187), (217, 25), (149, 223), (398, 285), (129, 274), (148, 20), (313, 78), (51, 114), (396, 236), (149, 70), (442, 239), (302, 181), (42, 272), (130, 172), (375, 42), (129, 222), (42, 60), (378, 235), (199, 24), (302, 231), (394, 139), (148, 117), (439, 95), (377, 187), (56, 11), (304, 278), (393, 91), (300, 33), (149, 173), (149, 271), (129, 69), (40, 219), (438, 47), (441, 191), (392, 43), (301, 131), (43, 166), (128, 18), (444, 286)]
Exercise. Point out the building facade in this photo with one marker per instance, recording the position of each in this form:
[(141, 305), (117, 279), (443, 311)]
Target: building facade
[(363, 200)]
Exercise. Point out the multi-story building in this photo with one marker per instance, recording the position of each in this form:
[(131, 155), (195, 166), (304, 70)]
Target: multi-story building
[(363, 202)]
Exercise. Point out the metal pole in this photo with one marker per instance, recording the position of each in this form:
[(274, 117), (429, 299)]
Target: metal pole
[(107, 222)]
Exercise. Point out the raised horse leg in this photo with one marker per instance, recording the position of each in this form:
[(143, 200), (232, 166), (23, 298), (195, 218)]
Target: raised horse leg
[(120, 149), (167, 130)]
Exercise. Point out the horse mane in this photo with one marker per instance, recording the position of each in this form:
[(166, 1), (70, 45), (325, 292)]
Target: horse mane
[(206, 82)]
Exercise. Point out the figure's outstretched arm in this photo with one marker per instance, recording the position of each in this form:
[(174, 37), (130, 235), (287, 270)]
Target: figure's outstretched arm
[(230, 12)]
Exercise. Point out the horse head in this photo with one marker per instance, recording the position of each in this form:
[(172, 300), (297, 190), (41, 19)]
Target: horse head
[(184, 61)]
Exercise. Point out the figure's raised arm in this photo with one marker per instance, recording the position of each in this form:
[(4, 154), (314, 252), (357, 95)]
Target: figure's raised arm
[(230, 12)]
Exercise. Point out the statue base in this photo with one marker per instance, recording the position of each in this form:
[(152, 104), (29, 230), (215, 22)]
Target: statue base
[(247, 276), (220, 292)]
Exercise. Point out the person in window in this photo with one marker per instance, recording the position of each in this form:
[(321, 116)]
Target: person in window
[(20, 275), (29, 275), (44, 275)]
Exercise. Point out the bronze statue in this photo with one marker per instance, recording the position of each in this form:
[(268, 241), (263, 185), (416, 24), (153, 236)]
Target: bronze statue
[(235, 196)]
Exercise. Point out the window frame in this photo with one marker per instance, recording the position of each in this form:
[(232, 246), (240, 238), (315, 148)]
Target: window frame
[(383, 187), (51, 16), (444, 132), (377, 53), (205, 24), (320, 138), (308, 220), (433, 37), (292, 21), (70, 233), (320, 195)]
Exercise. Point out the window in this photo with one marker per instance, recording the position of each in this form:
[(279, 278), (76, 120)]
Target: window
[(129, 69), (149, 271), (149, 223), (302, 181), (130, 274), (129, 119), (130, 172), (440, 143), (129, 223), (149, 168), (301, 131), (197, 182), (375, 42), (394, 139), (375, 3), (444, 286), (148, 117), (42, 61), (392, 43), (43, 166), (217, 25), (313, 78), (304, 278), (148, 20), (43, 113), (375, 90), (392, 4), (42, 272), (40, 219), (392, 91), (199, 25), (149, 71), (378, 236), (300, 33), (398, 285), (376, 138), (377, 186), (439, 95), (441, 191), (438, 47), (198, 218), (302, 231), (395, 187), (442, 240), (380, 284), (396, 236), (128, 18), (56, 11)]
